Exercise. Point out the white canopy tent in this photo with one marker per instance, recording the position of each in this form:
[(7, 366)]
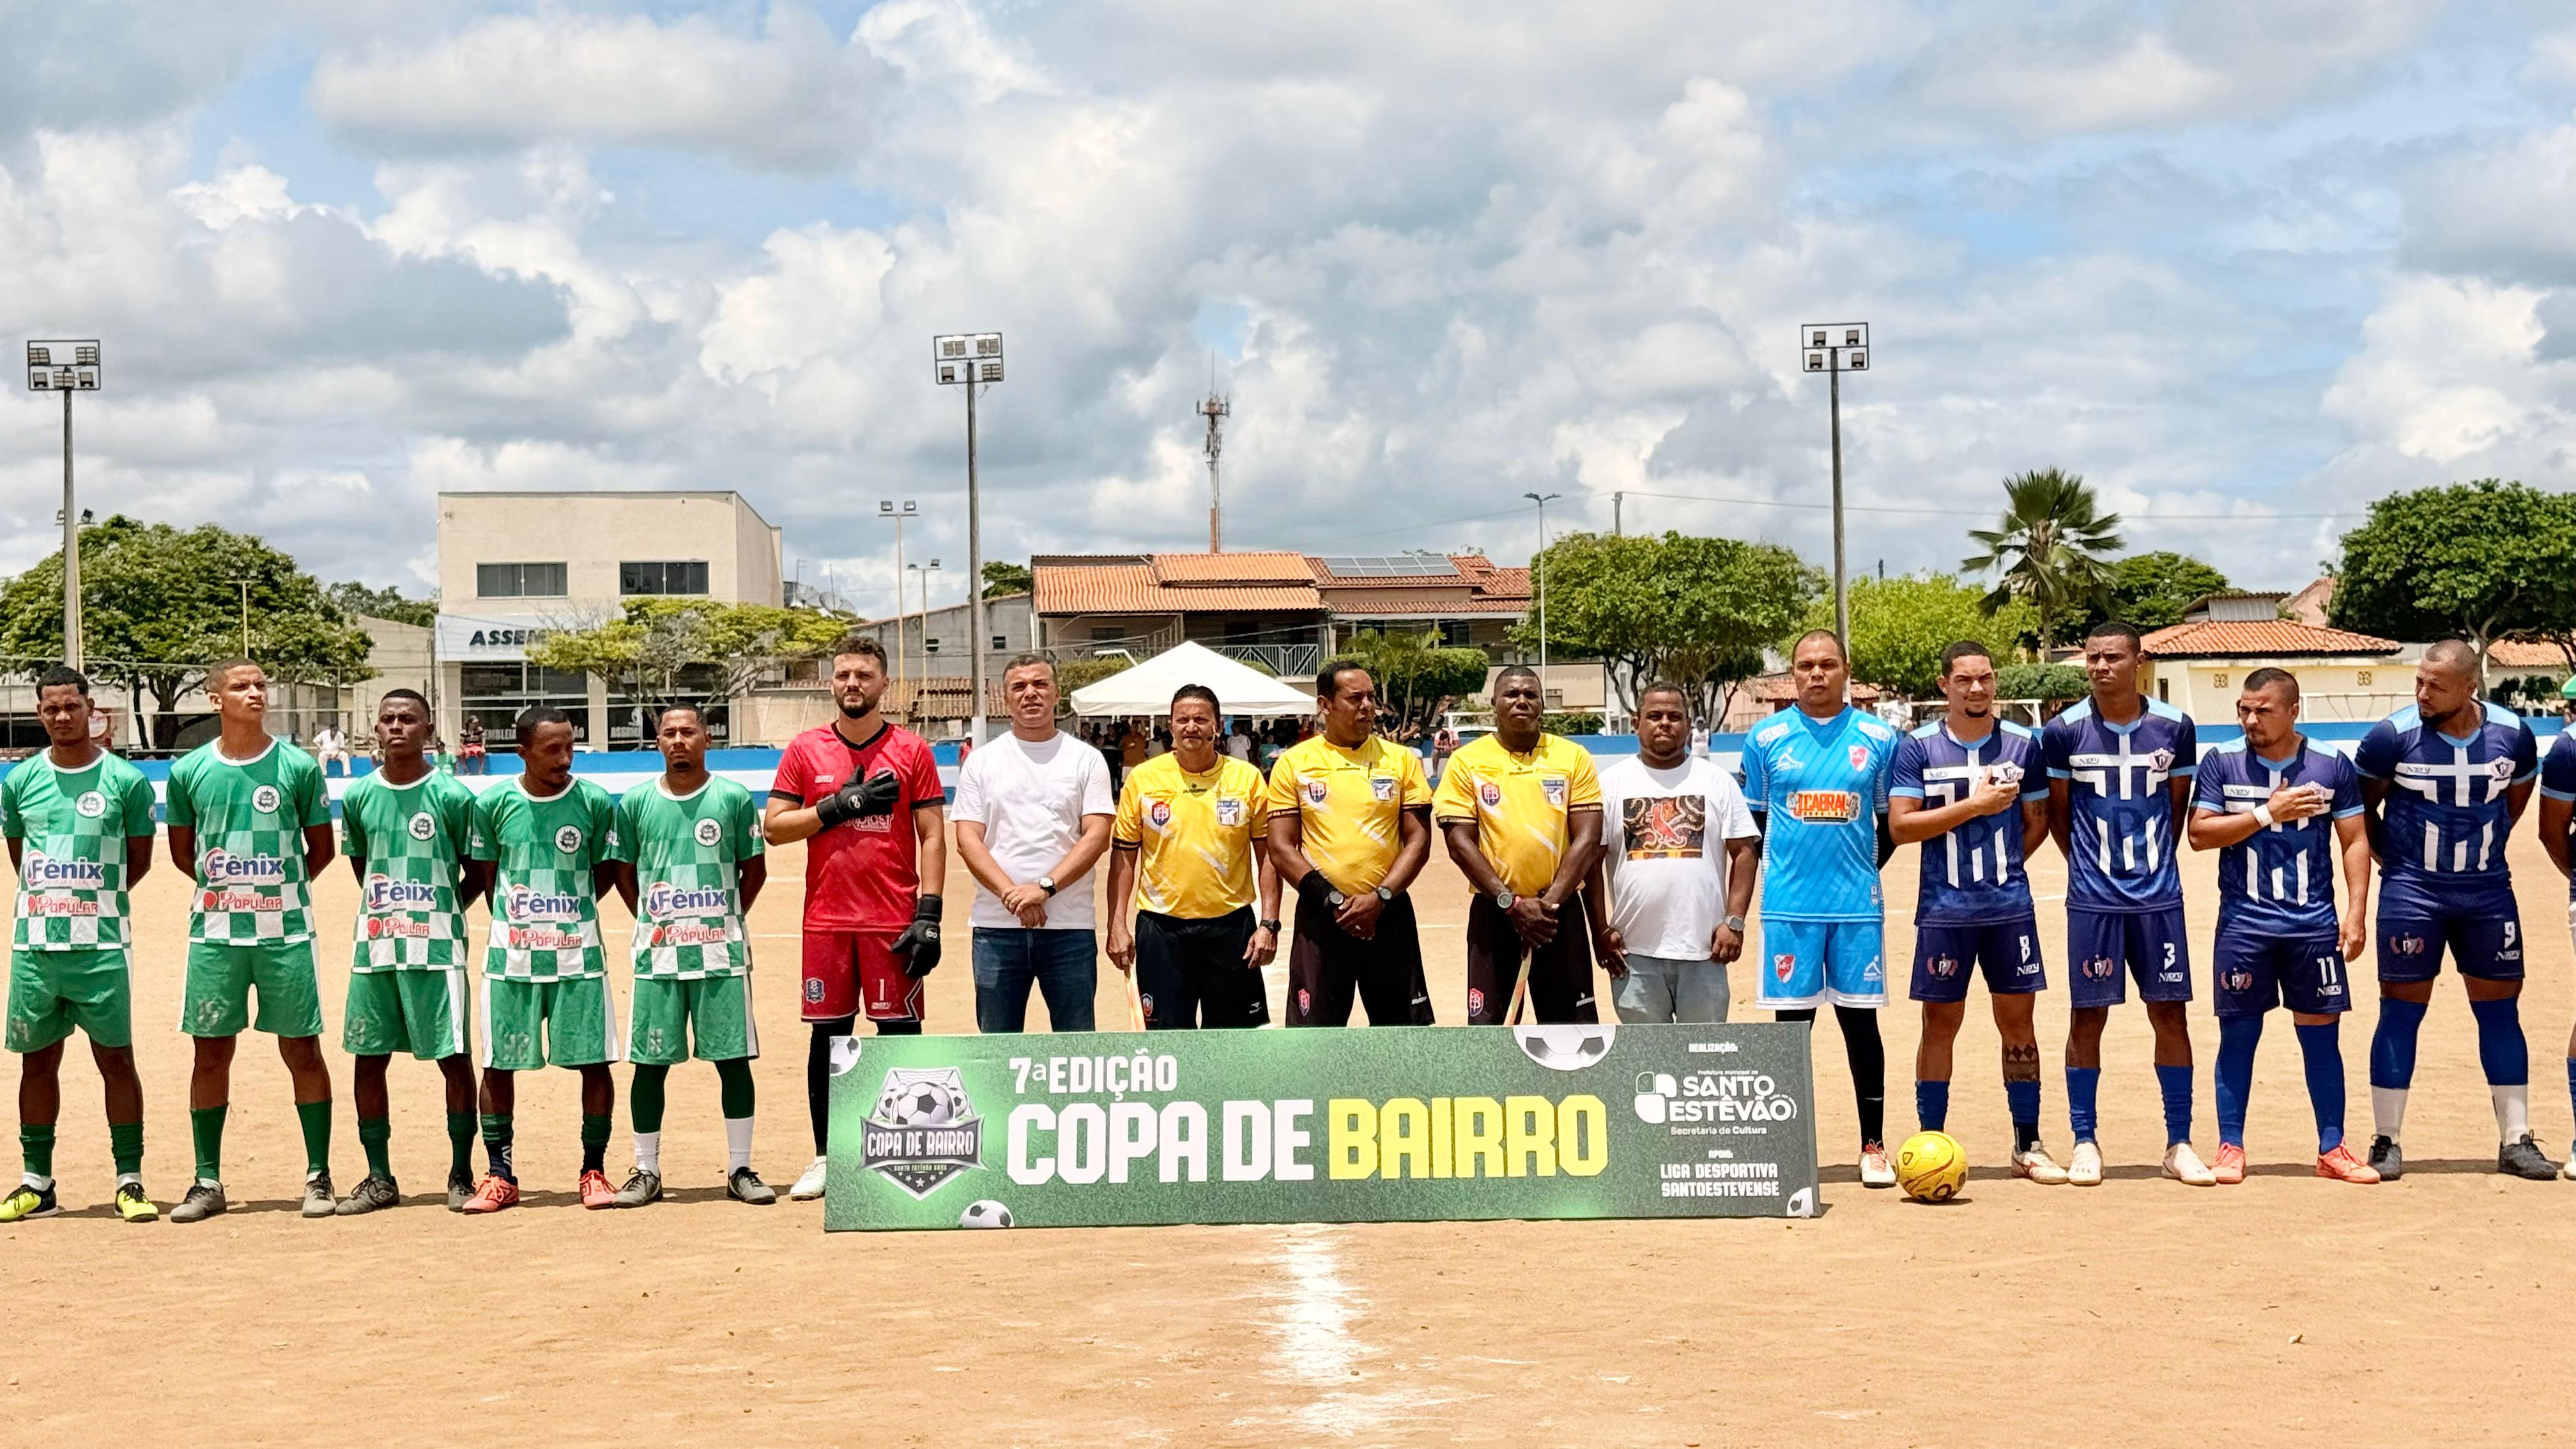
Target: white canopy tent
[(1147, 688)]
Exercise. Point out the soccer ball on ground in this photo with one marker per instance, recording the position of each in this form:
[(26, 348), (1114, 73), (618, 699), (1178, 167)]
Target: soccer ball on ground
[(984, 1214), (1930, 1167)]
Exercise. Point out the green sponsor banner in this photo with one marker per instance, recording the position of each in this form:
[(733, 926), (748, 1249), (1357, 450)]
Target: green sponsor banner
[(1381, 1124)]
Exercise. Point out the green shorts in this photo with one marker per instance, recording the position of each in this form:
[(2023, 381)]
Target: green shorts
[(221, 978), (420, 1010), (570, 1022), (667, 1012), (50, 992)]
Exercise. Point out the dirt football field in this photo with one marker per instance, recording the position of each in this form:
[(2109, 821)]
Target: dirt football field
[(2140, 1312)]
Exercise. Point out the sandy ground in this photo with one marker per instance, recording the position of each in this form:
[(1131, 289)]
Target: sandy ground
[(2141, 1311)]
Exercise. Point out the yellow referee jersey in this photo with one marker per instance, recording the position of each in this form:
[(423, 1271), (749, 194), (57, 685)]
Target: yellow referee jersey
[(1349, 803), (1194, 835), (1519, 803)]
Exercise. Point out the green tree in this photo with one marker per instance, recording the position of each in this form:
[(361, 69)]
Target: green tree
[(2040, 681), (2048, 549), (2150, 590), (2479, 561), (355, 598), (1002, 579), (644, 651), (1414, 673), (1696, 611), (160, 604), (1900, 626)]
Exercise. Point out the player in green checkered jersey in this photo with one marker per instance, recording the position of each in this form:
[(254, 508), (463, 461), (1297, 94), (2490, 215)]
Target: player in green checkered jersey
[(694, 864), (405, 829), (251, 824), (79, 823), (546, 847)]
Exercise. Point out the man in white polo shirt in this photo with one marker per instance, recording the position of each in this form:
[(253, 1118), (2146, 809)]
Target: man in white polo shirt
[(1678, 855), (1033, 814)]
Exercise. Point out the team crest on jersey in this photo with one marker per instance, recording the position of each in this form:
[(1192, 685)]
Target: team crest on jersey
[(420, 826), (1490, 793), (1229, 813), (924, 1130), (708, 833), (2160, 761), (1553, 787), (1382, 787), (1160, 812), (264, 799), (568, 840), (1784, 965), (2501, 767), (1860, 757), (1315, 790), (90, 805), (2007, 773)]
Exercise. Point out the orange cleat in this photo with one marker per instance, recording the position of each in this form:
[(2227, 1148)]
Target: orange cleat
[(2229, 1169), (492, 1194), (595, 1191), (2342, 1166)]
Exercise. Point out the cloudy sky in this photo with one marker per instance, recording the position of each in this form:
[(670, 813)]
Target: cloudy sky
[(2245, 266)]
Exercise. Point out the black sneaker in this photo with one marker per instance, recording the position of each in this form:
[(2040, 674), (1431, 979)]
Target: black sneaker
[(745, 1186), (371, 1193), (2386, 1160), (2522, 1158)]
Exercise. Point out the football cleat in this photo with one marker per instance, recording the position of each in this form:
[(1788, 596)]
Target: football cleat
[(809, 1183), (492, 1194), (595, 1191), (204, 1200), (2569, 1171), (28, 1202), (372, 1192), (745, 1186), (2386, 1159), (1875, 1170), (2522, 1158), (641, 1188), (318, 1202), (2184, 1166), (460, 1189), (134, 1205), (2084, 1169), (2342, 1166), (2229, 1170), (2033, 1162)]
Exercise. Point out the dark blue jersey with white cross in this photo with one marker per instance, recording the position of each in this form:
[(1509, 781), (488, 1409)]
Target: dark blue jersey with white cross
[(2444, 824), (2279, 881), (2120, 854), (1972, 872)]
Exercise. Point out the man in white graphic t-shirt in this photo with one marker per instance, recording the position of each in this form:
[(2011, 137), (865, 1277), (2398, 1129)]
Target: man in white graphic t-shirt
[(1678, 855)]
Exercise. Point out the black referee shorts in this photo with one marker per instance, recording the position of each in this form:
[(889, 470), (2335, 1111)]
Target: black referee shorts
[(1560, 972), (1326, 967), (1192, 973)]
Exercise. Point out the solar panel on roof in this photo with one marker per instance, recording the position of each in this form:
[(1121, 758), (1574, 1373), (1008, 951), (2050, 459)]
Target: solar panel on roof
[(1386, 566)]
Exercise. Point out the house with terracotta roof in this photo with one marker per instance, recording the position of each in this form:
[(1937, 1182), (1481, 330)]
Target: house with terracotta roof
[(2200, 664)]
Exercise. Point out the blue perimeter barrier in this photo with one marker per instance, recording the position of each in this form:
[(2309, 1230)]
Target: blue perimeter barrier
[(619, 770)]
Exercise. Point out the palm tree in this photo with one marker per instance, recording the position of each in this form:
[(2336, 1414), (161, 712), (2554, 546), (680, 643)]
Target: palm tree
[(2050, 548)]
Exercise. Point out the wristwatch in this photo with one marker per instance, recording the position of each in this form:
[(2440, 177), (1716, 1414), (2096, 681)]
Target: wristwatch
[(1047, 883), (1335, 899), (1504, 898), (1271, 926), (1385, 897), (1735, 924)]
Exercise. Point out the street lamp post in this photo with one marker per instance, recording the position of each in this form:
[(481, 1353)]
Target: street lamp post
[(972, 360), (1542, 500), (1832, 349), (66, 368), (901, 639), (887, 508)]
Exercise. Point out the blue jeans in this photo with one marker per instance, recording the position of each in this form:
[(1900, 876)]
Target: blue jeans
[(1064, 964)]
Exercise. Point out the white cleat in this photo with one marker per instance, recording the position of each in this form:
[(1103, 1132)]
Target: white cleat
[(2084, 1169), (2184, 1166), (2569, 1171), (1875, 1170), (2039, 1167), (809, 1185)]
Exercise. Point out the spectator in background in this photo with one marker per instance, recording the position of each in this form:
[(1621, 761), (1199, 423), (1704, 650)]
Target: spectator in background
[(1238, 741), (331, 747), (470, 748)]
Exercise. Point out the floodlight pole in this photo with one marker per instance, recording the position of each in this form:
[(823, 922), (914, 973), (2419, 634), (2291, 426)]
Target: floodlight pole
[(886, 508), (71, 550), (974, 580), (1829, 349), (1542, 501)]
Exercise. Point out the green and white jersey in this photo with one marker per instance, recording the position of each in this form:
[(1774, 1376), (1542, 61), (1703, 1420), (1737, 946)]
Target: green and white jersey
[(688, 851), (545, 919), (250, 817), (410, 841), (71, 871)]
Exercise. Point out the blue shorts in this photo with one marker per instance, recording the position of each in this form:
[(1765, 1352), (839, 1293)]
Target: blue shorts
[(2487, 946), (1811, 962), (2152, 944), (2255, 972), (2007, 951)]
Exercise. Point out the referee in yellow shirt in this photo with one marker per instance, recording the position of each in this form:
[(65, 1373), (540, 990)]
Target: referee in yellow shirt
[(1350, 823), (1191, 831), (1521, 809)]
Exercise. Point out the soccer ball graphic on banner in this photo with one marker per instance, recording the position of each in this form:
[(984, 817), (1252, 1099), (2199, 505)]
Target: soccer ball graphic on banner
[(1930, 1167), (917, 1099), (984, 1214), (1565, 1047)]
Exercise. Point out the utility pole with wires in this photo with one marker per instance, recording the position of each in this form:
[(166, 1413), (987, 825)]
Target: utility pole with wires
[(1215, 408)]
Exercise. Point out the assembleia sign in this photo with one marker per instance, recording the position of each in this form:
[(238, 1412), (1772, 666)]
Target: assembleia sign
[(462, 636)]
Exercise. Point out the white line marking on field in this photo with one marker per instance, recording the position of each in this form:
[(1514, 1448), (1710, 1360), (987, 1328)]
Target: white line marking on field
[(1317, 1348)]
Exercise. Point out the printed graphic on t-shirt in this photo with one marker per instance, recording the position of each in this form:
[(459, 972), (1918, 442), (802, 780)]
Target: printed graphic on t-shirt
[(1665, 827)]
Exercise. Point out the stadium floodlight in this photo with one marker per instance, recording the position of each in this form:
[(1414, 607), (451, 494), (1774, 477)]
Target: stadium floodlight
[(888, 508), (66, 367), (972, 360), (1834, 348), (1542, 500)]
